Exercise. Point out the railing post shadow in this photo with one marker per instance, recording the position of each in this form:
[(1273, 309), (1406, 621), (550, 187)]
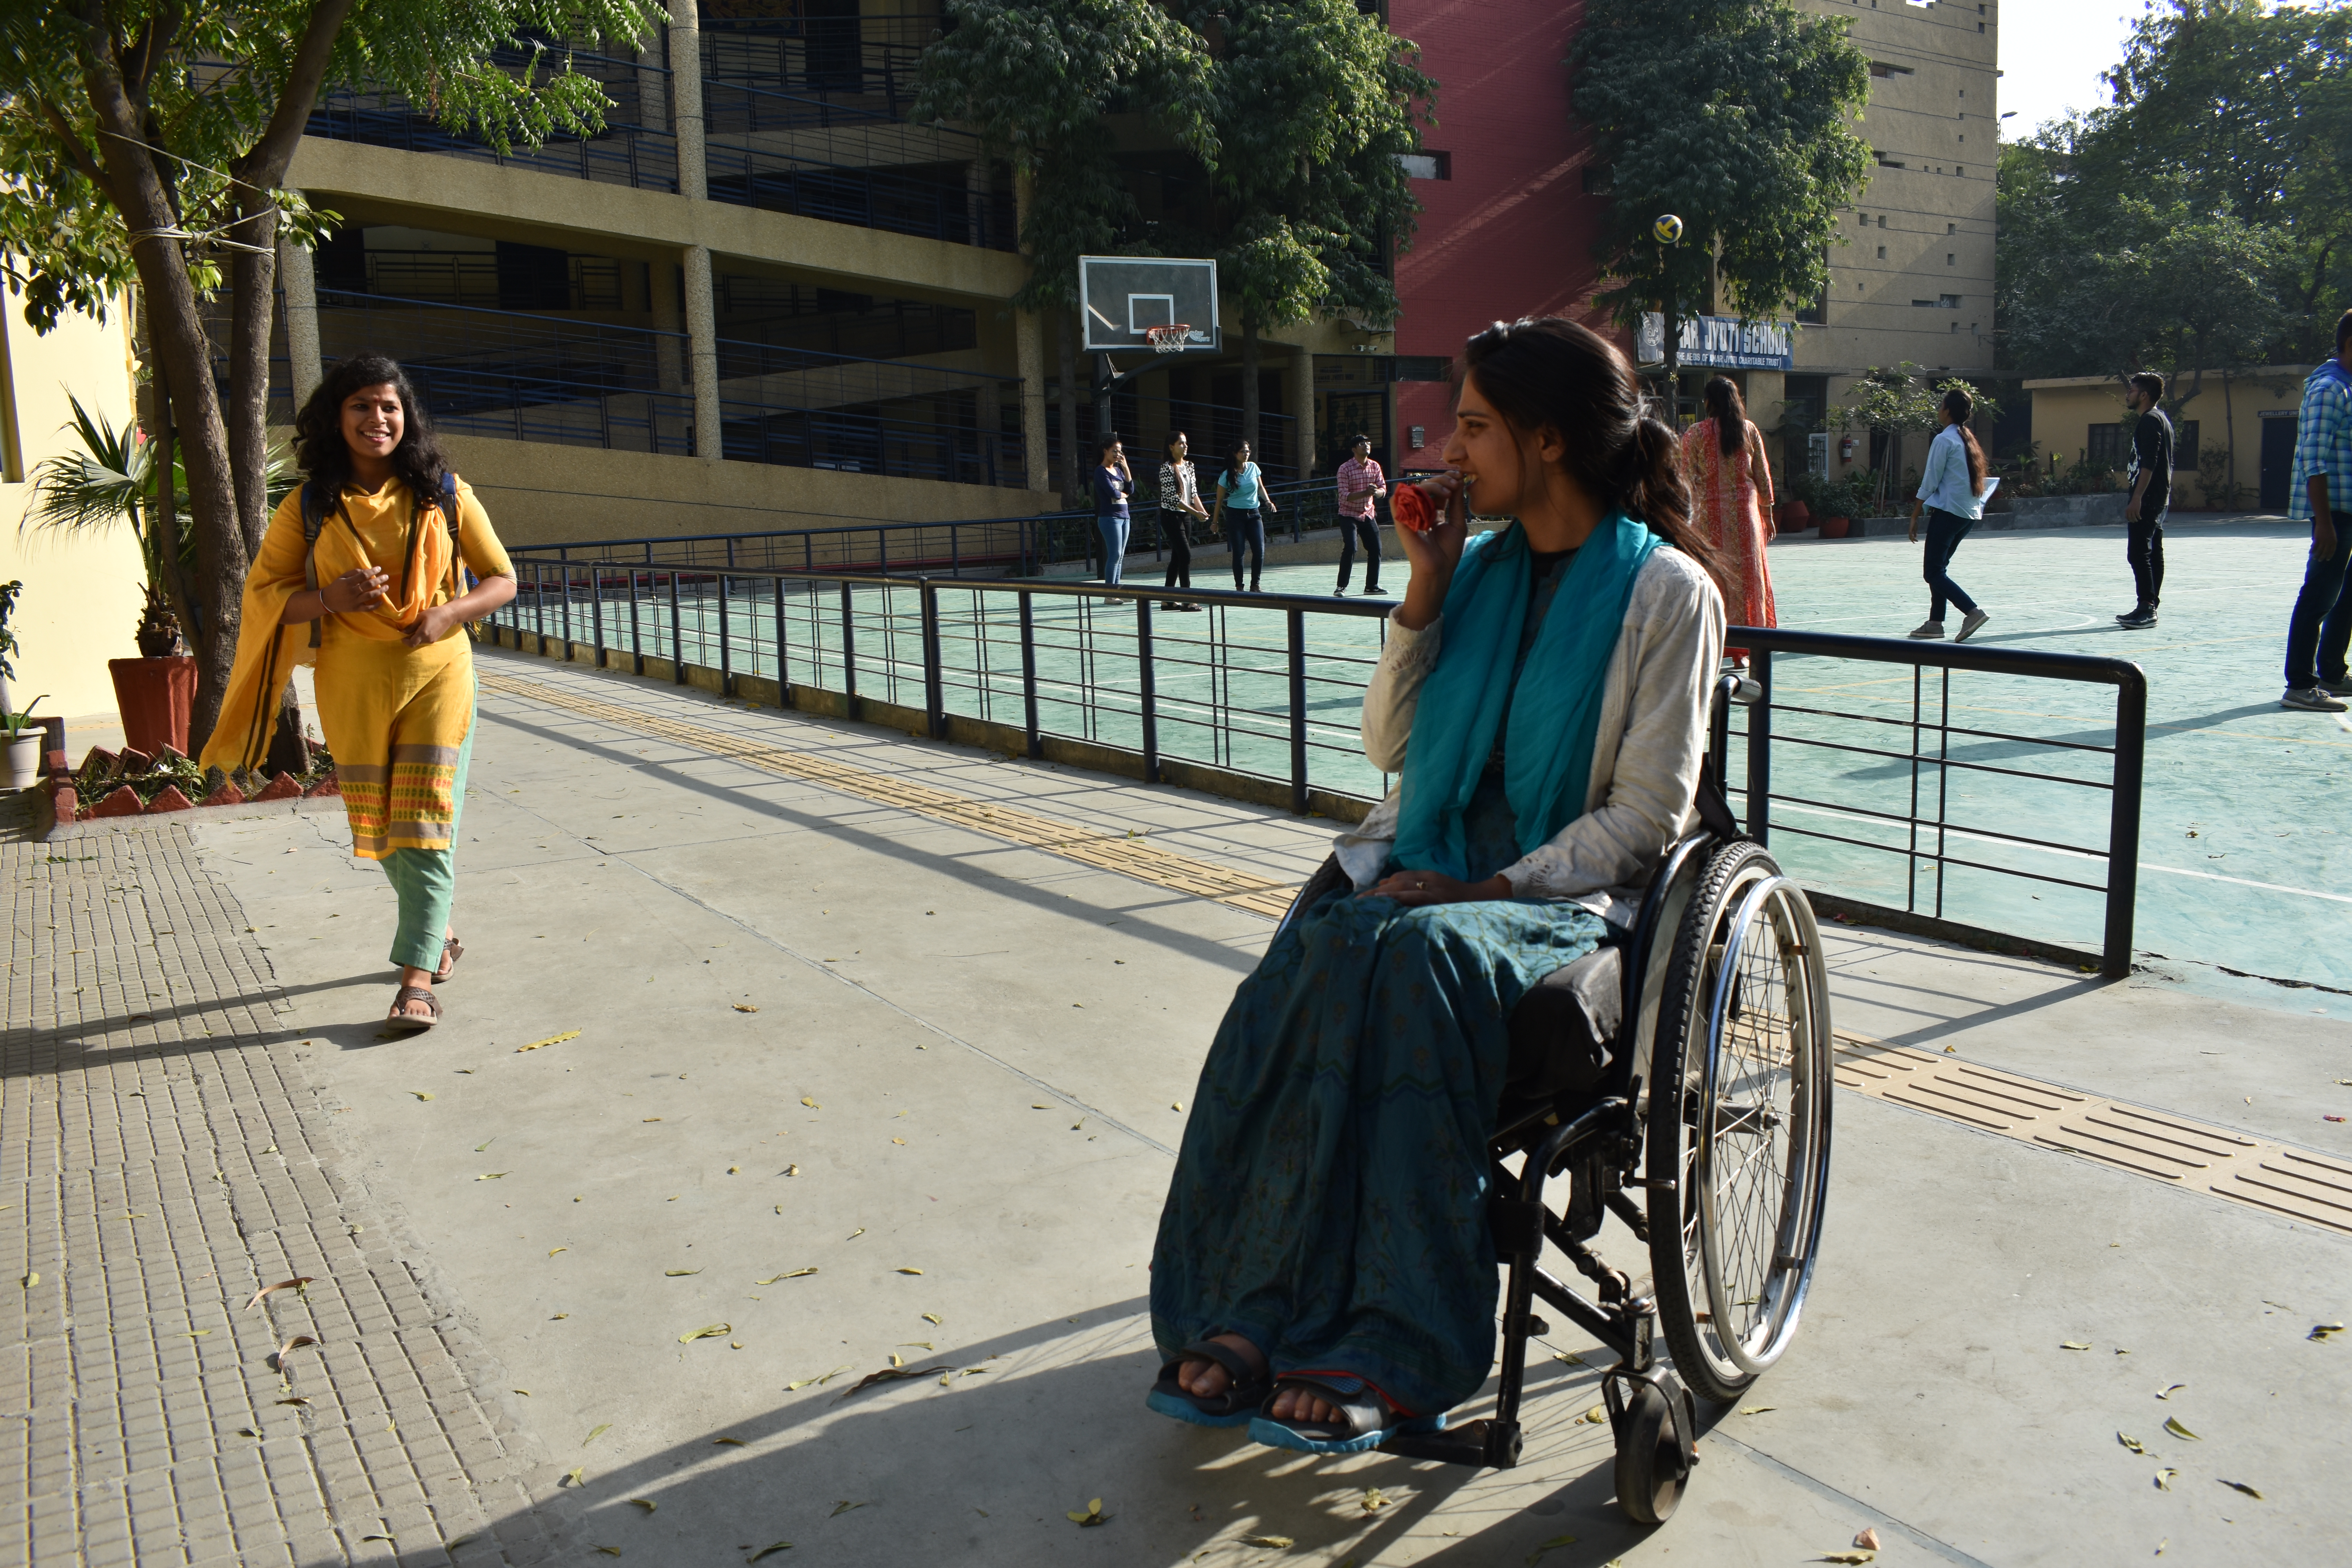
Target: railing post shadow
[(2123, 824)]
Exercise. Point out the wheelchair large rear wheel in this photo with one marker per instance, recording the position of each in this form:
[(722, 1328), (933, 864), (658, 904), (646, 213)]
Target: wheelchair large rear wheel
[(1738, 1134)]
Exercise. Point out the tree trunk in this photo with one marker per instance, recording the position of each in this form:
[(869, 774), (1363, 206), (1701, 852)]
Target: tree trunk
[(164, 521), (252, 310), (1249, 386), (2229, 427)]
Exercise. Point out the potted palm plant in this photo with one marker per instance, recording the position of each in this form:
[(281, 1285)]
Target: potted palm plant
[(24, 740), (109, 482)]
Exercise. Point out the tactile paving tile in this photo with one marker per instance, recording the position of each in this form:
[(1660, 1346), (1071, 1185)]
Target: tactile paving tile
[(1088, 846), (2179, 1150)]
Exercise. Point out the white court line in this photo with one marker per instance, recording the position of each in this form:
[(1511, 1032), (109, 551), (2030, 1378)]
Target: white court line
[(2071, 853)]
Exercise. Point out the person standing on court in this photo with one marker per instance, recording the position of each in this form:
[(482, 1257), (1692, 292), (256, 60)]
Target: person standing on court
[(1179, 502), (1241, 500), (363, 573), (1954, 491), (1113, 484), (2151, 496), (1731, 503), (1360, 482), (2320, 628)]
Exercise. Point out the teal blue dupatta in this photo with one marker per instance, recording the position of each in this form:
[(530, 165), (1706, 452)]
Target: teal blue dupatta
[(1553, 711)]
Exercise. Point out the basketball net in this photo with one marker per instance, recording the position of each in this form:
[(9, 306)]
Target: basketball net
[(1169, 339)]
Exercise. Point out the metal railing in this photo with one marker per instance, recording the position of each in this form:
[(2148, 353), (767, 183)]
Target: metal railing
[(528, 377), (1886, 789), (837, 63)]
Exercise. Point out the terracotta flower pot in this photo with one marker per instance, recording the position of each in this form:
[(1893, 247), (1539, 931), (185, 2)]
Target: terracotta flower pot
[(155, 696), (1835, 527), (1795, 517)]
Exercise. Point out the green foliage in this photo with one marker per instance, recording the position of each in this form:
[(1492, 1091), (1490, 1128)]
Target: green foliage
[(63, 247), (2201, 221), (1897, 402), (1035, 79), (8, 648), (1735, 115)]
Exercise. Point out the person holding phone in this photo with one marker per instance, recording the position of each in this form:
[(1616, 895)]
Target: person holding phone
[(1179, 502), (1113, 484)]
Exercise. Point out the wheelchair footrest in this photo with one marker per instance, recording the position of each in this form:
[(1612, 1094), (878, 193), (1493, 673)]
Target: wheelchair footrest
[(1493, 1445)]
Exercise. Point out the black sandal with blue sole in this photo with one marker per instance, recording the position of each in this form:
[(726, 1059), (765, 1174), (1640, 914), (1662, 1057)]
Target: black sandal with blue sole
[(1365, 1420), (1236, 1406)]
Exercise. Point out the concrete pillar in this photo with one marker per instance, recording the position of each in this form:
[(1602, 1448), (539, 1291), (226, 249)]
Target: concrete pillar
[(301, 282), (702, 347), (686, 95), (1029, 349), (975, 188), (1302, 409)]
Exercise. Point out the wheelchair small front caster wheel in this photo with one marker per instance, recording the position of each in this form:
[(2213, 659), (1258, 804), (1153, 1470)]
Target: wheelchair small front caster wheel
[(1651, 1468)]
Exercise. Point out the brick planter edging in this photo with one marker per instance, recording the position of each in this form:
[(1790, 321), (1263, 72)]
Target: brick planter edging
[(68, 812)]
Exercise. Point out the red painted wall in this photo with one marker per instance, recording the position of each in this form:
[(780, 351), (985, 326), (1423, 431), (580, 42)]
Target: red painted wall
[(1511, 234)]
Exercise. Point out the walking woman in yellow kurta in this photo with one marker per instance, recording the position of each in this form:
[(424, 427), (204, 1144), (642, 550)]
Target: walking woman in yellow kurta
[(378, 603)]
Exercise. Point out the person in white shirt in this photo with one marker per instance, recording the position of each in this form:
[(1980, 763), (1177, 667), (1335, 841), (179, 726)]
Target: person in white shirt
[(1954, 491), (1180, 501)]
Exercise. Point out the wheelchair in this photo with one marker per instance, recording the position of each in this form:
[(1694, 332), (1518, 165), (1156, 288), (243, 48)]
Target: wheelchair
[(1686, 1060)]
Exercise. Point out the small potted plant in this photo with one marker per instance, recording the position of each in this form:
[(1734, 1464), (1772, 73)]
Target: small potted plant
[(26, 737)]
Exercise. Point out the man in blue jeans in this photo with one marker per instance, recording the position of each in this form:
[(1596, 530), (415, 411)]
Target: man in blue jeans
[(2321, 626)]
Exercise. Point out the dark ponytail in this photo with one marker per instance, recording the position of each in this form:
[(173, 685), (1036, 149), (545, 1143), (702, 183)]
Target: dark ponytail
[(1960, 406), (1544, 371), (1730, 415)]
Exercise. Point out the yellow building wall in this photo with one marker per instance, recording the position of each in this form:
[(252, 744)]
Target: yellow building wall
[(81, 599), (2064, 411)]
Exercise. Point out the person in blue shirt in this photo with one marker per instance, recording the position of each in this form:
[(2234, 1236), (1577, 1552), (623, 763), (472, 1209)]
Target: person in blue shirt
[(1242, 502), (1954, 491), (2320, 629), (1113, 484)]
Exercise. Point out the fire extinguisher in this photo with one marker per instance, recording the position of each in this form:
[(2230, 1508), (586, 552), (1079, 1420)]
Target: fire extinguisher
[(1845, 449)]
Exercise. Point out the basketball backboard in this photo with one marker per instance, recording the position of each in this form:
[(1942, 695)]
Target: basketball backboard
[(1125, 296)]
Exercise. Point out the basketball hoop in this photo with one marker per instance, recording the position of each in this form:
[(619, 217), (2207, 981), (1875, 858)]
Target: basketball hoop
[(1169, 339)]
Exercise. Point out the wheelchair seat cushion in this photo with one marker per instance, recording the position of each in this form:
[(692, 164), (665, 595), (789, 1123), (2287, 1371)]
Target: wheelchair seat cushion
[(1565, 1026)]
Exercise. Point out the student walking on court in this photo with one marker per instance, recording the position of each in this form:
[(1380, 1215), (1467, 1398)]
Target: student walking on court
[(1180, 503), (1242, 502), (2321, 626), (1954, 491), (1731, 503), (2151, 496), (363, 573), (1360, 482), (1113, 485)]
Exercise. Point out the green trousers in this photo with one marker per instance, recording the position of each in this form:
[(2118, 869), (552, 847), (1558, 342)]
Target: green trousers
[(426, 881)]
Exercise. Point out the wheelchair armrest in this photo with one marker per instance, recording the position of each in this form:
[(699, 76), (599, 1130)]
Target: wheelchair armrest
[(1564, 1028)]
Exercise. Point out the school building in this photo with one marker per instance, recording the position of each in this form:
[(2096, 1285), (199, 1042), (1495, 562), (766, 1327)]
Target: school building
[(2233, 433)]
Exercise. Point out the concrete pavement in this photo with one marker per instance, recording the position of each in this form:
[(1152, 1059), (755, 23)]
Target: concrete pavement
[(954, 1102)]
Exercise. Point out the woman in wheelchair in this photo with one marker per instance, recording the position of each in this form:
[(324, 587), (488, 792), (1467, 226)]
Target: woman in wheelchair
[(1325, 1272)]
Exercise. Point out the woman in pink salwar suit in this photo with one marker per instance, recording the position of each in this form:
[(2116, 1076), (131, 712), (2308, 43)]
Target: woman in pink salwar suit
[(1731, 497)]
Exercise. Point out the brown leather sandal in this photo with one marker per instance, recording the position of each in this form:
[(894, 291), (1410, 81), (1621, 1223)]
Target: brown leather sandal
[(409, 1023), (452, 949)]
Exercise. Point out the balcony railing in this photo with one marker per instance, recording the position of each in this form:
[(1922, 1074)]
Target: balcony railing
[(525, 377)]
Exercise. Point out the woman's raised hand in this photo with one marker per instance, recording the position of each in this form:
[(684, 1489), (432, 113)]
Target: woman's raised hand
[(1432, 553), (356, 589)]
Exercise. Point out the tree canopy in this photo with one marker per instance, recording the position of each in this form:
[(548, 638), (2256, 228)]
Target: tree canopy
[(2200, 221), (1737, 117)]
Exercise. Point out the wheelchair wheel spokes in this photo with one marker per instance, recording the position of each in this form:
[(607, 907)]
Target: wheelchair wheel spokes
[(1741, 1125)]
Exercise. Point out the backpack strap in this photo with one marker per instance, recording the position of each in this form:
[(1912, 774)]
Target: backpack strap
[(449, 504)]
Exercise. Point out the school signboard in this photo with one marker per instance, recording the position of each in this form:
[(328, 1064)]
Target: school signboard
[(1724, 341)]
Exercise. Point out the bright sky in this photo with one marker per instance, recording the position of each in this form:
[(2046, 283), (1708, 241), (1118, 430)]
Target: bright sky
[(2051, 54)]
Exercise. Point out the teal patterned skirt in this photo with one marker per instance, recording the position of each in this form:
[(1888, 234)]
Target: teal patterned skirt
[(1329, 1200)]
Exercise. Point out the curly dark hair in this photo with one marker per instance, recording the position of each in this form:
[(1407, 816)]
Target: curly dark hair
[(1544, 371), (319, 444)]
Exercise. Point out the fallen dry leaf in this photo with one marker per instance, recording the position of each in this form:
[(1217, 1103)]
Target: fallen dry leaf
[(2172, 1424), (707, 1332), (910, 1271), (2323, 1333), (932, 1318), (1094, 1515), (844, 1507), (745, 1007), (790, 1170), (2241, 1487), (1867, 1539), (2072, 1345), (296, 1343), (2170, 1390), (887, 1374), (812, 1104), (1280, 1543), (609, 1551), (1847, 1557), (1757, 1409), (1374, 1500), (794, 1274), (680, 1273), (1554, 1544), (764, 1550), (553, 1250), (853, 1235), (293, 1399), (599, 1432), (296, 1284), (572, 1476), (828, 1377), (645, 1503), (727, 1442), (2164, 1478), (196, 1334), (550, 1040), (420, 1094), (1597, 1414), (489, 1175)]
